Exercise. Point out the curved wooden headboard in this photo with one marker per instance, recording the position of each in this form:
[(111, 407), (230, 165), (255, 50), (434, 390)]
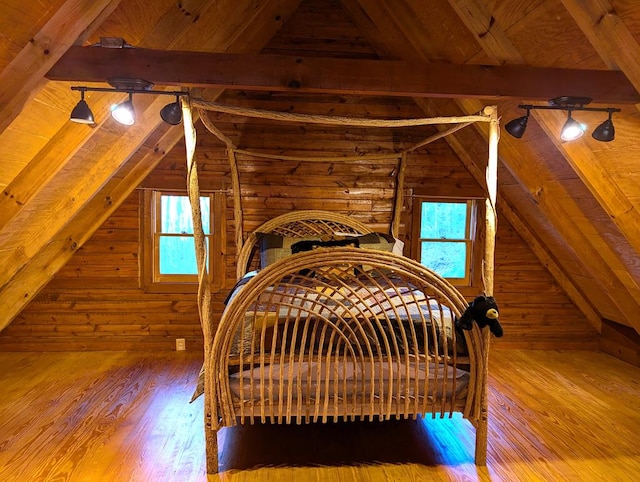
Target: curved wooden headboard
[(297, 224)]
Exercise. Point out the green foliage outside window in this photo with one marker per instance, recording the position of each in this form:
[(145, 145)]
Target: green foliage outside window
[(176, 240), (445, 238)]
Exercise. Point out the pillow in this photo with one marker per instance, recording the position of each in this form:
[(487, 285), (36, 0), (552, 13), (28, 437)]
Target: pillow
[(378, 241), (274, 247)]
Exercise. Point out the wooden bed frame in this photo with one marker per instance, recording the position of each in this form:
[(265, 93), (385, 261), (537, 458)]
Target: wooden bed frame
[(268, 362)]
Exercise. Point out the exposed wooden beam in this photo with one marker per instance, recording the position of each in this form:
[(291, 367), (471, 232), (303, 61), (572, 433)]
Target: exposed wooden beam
[(597, 178), (33, 267), (608, 34), (48, 261), (25, 74), (539, 183), (546, 258), (50, 159), (345, 76), (602, 26), (30, 231)]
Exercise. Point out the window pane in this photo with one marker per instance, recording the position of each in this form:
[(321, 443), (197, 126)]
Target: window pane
[(176, 214), (447, 259), (178, 255), (441, 220)]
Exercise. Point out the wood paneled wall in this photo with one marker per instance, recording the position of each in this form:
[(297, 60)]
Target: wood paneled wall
[(97, 301)]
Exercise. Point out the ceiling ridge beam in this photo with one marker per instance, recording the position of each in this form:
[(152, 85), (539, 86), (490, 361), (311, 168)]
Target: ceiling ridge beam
[(335, 75)]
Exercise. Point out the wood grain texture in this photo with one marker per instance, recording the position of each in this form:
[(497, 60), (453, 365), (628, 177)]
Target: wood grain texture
[(554, 416)]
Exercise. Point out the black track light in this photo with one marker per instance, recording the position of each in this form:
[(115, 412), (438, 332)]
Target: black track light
[(605, 132), (172, 113), (572, 129), (81, 112), (124, 112), (516, 127)]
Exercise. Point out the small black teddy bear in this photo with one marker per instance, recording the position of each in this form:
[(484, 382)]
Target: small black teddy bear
[(485, 311)]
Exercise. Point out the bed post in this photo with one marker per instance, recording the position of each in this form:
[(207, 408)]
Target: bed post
[(204, 289), (210, 438), (487, 276)]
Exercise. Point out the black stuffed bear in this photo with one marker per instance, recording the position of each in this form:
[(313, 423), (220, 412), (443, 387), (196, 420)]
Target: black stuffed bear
[(485, 311)]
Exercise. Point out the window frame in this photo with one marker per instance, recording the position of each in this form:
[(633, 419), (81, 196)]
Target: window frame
[(153, 280), (470, 233)]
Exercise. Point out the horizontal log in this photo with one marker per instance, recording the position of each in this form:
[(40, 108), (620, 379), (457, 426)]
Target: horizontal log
[(336, 75)]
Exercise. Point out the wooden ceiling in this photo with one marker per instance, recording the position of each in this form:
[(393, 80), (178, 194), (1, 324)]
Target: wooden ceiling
[(576, 204)]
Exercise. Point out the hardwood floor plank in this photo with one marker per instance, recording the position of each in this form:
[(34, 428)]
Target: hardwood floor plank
[(125, 416)]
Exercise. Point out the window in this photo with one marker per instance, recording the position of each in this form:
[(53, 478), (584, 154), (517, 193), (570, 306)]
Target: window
[(444, 231), (169, 241)]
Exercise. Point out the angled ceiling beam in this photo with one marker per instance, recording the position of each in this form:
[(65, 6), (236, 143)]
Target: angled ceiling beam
[(25, 74), (528, 235), (35, 269), (497, 46), (59, 250), (344, 76), (476, 17), (608, 35)]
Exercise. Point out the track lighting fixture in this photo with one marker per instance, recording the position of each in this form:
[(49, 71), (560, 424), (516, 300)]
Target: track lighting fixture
[(125, 112), (572, 129)]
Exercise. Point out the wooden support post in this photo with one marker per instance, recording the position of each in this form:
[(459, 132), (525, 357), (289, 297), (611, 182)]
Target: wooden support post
[(237, 197), (399, 199), (204, 288), (488, 276)]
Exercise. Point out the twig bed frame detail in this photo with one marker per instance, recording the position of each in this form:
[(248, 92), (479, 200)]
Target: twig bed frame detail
[(339, 333)]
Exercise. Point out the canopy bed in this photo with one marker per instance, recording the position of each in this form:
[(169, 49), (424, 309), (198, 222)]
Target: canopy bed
[(328, 323)]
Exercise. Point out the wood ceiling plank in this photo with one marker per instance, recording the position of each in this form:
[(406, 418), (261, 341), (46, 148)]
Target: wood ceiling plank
[(25, 73), (52, 157), (545, 257), (371, 24), (497, 46), (479, 20), (31, 274), (596, 177), (347, 76), (34, 226), (249, 24), (502, 51), (52, 257), (608, 34), (595, 263), (19, 22)]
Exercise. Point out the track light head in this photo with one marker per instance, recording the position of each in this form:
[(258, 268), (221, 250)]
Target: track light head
[(172, 113), (124, 112), (605, 132), (81, 113), (516, 127), (571, 130)]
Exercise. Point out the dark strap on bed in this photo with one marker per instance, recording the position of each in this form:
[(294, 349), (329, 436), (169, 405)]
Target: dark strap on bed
[(308, 245)]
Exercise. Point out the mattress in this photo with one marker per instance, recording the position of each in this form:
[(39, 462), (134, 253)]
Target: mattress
[(311, 381)]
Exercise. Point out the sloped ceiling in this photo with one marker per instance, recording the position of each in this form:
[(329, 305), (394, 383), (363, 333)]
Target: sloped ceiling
[(576, 204)]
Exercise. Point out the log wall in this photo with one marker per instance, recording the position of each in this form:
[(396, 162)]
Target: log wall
[(98, 302)]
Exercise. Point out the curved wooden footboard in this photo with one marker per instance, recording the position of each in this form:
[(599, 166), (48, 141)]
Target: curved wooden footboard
[(345, 333)]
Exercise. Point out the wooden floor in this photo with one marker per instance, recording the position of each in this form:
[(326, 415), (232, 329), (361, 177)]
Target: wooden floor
[(566, 416)]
